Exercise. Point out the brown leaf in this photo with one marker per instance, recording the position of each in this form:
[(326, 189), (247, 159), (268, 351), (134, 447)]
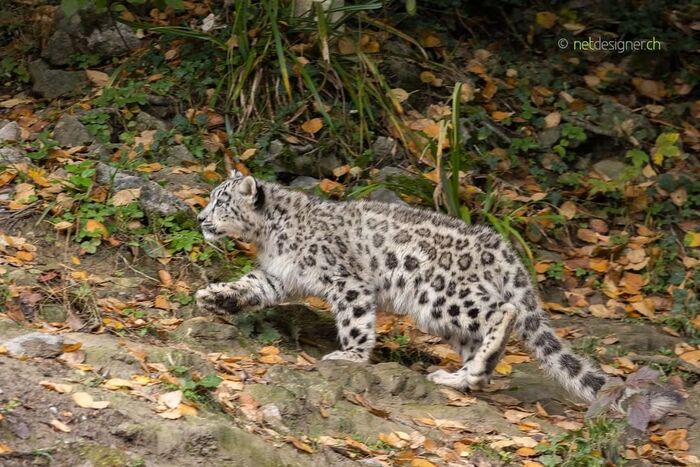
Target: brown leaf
[(546, 19), (85, 400), (98, 78), (58, 387), (552, 120), (329, 186), (676, 439), (94, 226), (299, 444), (650, 88), (312, 126), (60, 426), (127, 196)]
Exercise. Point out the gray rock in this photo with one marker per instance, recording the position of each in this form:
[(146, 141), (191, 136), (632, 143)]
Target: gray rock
[(304, 183), (609, 168), (53, 313), (11, 155), (154, 198), (386, 196), (35, 344), (146, 121), (56, 83), (10, 133), (87, 31), (384, 146), (98, 151), (549, 136), (178, 154), (389, 171), (70, 132)]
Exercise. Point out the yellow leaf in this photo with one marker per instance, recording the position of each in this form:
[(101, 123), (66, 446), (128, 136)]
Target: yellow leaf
[(421, 463), (248, 153), (504, 368), (165, 278), (300, 445), (148, 168), (79, 275), (312, 126), (117, 383), (63, 225), (37, 176), (427, 77), (94, 226), (546, 19), (692, 357), (72, 347), (692, 239), (3, 350), (187, 410), (271, 359), (4, 448), (526, 452), (269, 350)]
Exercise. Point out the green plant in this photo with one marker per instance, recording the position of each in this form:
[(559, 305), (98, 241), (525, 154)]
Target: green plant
[(597, 444), (97, 124), (198, 391)]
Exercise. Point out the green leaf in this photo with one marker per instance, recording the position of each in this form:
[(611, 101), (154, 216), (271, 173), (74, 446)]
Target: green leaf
[(70, 7), (638, 157), (209, 381)]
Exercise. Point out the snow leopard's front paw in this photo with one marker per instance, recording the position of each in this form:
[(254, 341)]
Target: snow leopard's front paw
[(214, 300), (344, 355)]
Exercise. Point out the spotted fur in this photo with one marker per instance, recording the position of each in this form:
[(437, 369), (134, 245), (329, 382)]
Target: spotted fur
[(461, 282)]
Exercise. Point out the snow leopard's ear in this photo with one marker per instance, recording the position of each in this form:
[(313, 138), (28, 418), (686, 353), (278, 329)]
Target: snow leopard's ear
[(249, 188), (235, 174)]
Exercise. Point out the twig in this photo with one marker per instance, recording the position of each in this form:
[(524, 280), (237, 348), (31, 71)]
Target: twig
[(139, 272), (591, 127)]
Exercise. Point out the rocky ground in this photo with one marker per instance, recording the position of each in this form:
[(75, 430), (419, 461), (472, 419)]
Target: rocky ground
[(275, 405)]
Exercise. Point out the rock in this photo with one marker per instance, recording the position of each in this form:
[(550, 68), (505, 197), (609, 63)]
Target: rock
[(35, 344), (548, 137), (154, 198), (388, 172), (70, 132), (53, 313), (56, 83), (692, 407), (178, 154), (214, 336), (98, 151), (386, 196), (146, 121), (10, 155), (609, 168), (304, 183), (10, 133), (88, 31), (383, 147)]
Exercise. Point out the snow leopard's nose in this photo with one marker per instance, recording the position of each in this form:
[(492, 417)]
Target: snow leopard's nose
[(201, 217)]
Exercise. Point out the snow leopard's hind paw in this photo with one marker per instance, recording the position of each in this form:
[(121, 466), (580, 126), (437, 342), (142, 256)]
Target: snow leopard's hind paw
[(345, 355)]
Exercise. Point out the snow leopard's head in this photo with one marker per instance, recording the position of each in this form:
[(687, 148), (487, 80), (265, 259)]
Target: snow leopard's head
[(234, 209)]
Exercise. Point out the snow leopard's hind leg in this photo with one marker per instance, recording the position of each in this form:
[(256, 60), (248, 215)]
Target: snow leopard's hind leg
[(355, 312), (478, 366)]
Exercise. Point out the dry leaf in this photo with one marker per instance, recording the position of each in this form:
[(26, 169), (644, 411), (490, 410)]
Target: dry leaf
[(676, 439), (552, 120), (98, 78), (94, 226), (312, 126), (299, 444), (58, 387), (161, 302), (124, 197), (85, 400), (170, 399), (60, 426), (546, 19)]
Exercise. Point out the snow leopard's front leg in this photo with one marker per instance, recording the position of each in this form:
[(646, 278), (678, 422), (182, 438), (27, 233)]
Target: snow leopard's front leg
[(255, 290), (355, 312)]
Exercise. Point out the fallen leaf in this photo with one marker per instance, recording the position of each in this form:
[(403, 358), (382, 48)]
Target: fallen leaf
[(117, 383), (98, 78), (95, 226), (299, 444), (171, 414), (125, 197), (85, 400), (676, 439), (171, 399), (60, 426), (329, 186), (503, 368), (692, 357), (526, 452), (552, 120), (58, 387), (161, 302), (546, 19), (312, 126), (4, 448), (148, 168), (422, 463)]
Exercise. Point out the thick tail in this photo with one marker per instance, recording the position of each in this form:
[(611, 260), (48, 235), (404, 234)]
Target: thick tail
[(578, 374)]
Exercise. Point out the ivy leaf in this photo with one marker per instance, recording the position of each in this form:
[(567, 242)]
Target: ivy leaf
[(209, 381)]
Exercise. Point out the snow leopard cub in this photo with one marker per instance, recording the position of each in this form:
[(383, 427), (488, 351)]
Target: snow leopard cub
[(461, 282)]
